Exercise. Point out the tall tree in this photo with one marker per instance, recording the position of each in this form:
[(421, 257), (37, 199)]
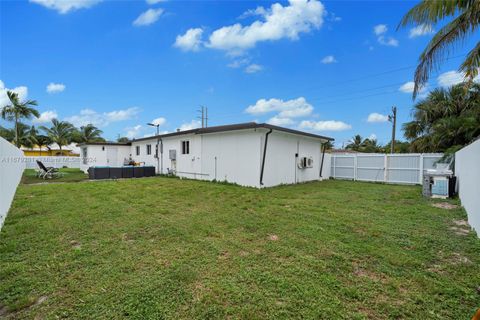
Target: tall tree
[(88, 133), (60, 133), (465, 22), (18, 110), (446, 120)]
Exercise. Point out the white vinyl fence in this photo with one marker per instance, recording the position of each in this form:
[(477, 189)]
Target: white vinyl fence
[(389, 168), (56, 162), (11, 170), (467, 171)]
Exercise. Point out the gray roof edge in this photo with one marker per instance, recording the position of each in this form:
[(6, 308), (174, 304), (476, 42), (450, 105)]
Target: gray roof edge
[(233, 127)]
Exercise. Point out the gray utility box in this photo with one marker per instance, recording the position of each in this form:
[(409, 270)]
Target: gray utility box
[(427, 185), (172, 154)]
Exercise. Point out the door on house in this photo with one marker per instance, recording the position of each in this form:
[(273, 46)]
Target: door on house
[(112, 157)]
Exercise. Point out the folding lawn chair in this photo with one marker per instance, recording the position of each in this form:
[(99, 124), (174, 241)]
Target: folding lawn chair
[(47, 172)]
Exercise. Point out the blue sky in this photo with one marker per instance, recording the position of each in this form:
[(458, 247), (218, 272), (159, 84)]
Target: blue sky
[(323, 67)]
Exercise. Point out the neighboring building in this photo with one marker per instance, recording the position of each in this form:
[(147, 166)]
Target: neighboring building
[(51, 151), (249, 154)]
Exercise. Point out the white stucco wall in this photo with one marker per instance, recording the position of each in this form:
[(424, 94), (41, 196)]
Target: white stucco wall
[(97, 155), (11, 169), (467, 170), (232, 156), (281, 164)]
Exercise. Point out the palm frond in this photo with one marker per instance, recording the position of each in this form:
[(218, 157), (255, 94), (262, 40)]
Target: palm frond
[(440, 45)]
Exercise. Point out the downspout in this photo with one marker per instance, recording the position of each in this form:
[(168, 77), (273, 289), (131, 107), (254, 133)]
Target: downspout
[(264, 156), (161, 154), (323, 156)]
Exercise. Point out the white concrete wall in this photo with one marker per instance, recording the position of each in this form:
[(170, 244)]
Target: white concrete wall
[(97, 155), (56, 162), (232, 156), (281, 165), (11, 169), (467, 171)]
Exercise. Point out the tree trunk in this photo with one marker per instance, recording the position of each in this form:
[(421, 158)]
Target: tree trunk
[(16, 131)]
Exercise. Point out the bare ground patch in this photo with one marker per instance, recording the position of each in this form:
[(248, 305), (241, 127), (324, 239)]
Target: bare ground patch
[(445, 205)]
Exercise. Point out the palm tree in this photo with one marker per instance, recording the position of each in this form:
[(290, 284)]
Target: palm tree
[(60, 133), (370, 145), (43, 141), (17, 110), (7, 134), (355, 143), (445, 120), (88, 133), (466, 20)]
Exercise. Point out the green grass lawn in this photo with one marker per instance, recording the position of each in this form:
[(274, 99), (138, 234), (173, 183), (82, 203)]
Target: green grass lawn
[(159, 248), (68, 175)]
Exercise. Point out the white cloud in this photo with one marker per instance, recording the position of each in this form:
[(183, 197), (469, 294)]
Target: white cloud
[(451, 78), (148, 17), (287, 109), (238, 63), (190, 41), (279, 121), (190, 125), (278, 22), (377, 117), (133, 132), (329, 125), (65, 6), (22, 92), (154, 1), (87, 116), (46, 117), (329, 59), (253, 68), (392, 42), (373, 136), (421, 30), (380, 31), (159, 121), (408, 87), (55, 87)]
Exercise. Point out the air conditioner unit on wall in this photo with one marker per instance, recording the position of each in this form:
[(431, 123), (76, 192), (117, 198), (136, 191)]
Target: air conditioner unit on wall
[(305, 162)]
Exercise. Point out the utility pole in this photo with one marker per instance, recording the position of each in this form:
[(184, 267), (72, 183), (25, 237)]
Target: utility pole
[(393, 119), (204, 116)]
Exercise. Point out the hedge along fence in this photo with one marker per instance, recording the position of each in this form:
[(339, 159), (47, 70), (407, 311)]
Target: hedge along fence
[(402, 168), (12, 165)]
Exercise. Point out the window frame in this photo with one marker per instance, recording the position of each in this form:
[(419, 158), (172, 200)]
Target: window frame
[(185, 147), (137, 150), (149, 149)]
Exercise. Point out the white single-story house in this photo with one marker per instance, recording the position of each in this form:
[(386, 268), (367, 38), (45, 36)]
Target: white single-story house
[(248, 154)]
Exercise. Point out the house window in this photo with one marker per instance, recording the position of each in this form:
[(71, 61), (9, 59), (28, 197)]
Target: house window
[(137, 150), (149, 149), (185, 147)]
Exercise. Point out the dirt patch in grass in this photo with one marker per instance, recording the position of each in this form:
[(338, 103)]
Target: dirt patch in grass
[(273, 237), (75, 245), (445, 205), (460, 231), (461, 223)]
